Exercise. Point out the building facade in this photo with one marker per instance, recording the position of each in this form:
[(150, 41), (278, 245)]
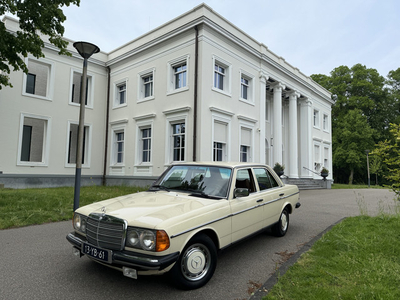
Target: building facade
[(194, 89)]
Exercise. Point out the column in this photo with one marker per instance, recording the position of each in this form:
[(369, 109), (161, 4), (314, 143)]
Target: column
[(278, 87), (263, 98), (293, 140), (305, 138)]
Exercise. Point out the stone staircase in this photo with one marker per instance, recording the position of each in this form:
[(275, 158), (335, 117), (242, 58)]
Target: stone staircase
[(306, 184)]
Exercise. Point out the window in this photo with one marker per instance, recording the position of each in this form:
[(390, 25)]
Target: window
[(37, 83), (325, 123), (146, 144), (76, 87), (220, 140), (73, 144), (34, 140), (244, 153), (119, 147), (246, 142), (30, 83), (221, 76), (244, 179), (246, 87), (316, 118), (121, 94), (177, 77), (265, 179), (317, 158), (146, 85), (178, 142), (180, 76), (219, 151)]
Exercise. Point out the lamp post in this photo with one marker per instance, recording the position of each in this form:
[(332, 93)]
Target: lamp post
[(86, 50), (367, 152)]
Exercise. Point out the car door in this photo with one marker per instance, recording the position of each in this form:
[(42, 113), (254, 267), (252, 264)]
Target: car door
[(272, 194), (246, 211)]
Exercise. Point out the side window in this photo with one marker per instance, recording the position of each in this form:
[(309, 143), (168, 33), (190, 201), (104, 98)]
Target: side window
[(244, 179), (264, 179)]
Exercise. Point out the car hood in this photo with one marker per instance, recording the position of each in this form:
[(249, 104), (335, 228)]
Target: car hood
[(154, 209)]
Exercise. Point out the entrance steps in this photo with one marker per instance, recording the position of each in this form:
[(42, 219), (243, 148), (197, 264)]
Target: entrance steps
[(307, 183)]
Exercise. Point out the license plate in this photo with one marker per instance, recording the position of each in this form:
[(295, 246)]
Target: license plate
[(97, 253)]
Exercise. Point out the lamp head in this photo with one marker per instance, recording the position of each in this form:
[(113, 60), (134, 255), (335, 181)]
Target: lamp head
[(86, 49)]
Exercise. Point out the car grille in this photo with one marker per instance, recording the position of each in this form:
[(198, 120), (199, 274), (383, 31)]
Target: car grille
[(106, 231)]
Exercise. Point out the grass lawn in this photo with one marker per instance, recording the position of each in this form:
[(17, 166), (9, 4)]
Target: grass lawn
[(22, 207), (340, 186), (358, 259)]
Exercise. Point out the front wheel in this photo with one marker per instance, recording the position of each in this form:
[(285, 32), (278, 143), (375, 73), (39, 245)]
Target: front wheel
[(280, 228), (196, 264)]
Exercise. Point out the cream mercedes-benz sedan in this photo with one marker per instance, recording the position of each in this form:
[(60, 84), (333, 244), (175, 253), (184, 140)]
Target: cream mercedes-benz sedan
[(190, 213)]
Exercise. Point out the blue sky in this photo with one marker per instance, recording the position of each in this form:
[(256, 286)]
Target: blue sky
[(313, 35)]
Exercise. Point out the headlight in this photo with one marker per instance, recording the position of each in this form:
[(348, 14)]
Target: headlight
[(149, 240), (133, 238), (80, 223)]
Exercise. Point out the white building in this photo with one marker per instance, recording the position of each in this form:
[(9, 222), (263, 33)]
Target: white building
[(196, 88)]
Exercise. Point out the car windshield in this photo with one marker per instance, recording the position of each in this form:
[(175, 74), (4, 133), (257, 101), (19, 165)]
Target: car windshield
[(201, 181)]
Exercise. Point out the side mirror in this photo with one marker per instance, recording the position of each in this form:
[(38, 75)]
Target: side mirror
[(241, 192)]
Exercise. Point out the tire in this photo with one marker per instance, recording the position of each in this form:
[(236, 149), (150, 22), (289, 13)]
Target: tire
[(280, 228), (196, 264)]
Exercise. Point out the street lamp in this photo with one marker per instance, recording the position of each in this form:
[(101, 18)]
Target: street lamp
[(86, 50), (367, 152)]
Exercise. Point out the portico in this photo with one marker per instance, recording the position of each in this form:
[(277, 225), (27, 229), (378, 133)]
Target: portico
[(290, 128)]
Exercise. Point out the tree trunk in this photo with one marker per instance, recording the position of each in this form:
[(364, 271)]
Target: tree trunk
[(351, 176)]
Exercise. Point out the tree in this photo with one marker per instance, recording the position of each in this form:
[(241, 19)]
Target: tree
[(389, 151), (358, 90), (375, 166), (393, 83), (35, 16), (353, 137)]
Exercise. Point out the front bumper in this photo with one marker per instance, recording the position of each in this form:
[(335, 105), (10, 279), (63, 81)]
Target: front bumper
[(141, 262)]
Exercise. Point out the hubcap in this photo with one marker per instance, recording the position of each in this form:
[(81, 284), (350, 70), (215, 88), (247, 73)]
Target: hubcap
[(284, 223), (195, 262)]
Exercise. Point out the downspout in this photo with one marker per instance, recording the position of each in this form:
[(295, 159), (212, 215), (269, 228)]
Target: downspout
[(107, 119), (196, 64)]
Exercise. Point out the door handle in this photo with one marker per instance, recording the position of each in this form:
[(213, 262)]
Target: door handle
[(280, 195), (260, 200)]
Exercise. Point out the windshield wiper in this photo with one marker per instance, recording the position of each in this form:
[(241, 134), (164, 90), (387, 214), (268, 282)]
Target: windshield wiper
[(158, 187), (204, 195)]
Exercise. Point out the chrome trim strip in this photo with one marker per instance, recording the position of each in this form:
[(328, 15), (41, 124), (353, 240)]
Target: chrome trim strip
[(231, 215)]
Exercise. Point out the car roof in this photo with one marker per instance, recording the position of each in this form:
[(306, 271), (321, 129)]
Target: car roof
[(222, 164)]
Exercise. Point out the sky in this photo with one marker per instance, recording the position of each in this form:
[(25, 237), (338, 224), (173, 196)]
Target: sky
[(315, 36)]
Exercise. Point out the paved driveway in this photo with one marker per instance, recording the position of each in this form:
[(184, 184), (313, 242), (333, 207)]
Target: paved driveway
[(37, 261)]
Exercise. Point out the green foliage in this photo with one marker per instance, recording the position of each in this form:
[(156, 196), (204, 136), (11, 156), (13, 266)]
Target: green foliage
[(44, 16), (353, 136), (365, 104), (352, 261), (389, 152)]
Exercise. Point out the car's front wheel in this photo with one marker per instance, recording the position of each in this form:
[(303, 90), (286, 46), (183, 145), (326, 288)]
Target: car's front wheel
[(196, 264), (280, 228)]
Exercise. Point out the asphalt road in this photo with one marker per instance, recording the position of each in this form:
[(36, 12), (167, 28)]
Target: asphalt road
[(37, 261)]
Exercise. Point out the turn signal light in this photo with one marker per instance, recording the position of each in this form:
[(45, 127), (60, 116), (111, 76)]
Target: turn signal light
[(162, 241)]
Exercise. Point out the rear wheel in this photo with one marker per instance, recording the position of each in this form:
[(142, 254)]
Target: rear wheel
[(280, 228), (197, 263)]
